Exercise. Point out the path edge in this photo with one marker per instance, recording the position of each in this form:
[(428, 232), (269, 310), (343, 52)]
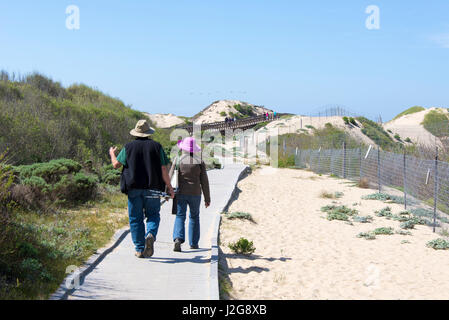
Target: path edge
[(214, 288), (62, 293)]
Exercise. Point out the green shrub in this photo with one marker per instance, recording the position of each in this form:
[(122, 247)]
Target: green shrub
[(346, 120), (407, 225), (408, 140), (223, 114), (376, 133), (403, 232), (367, 235), (397, 137), (362, 219), (438, 244), (338, 213), (353, 122), (385, 197), (437, 123), (385, 212), (384, 230), (242, 246), (239, 215)]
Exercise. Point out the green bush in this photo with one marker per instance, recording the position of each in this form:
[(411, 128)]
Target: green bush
[(437, 123), (376, 133), (438, 244), (353, 122), (346, 120), (239, 215), (242, 246), (60, 181), (223, 114), (367, 235), (384, 230)]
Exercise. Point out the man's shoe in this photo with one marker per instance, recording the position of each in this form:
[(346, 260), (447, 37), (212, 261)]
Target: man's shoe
[(139, 254), (194, 247), (149, 246), (177, 247)]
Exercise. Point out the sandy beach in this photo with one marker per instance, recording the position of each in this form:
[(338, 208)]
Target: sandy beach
[(301, 255)]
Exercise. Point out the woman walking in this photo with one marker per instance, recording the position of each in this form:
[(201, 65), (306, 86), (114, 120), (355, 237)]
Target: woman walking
[(192, 179)]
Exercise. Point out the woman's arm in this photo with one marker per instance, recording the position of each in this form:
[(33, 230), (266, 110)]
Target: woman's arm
[(204, 180)]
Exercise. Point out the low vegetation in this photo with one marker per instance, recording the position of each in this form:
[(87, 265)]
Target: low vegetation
[(437, 123), (338, 212), (239, 215), (385, 197), (409, 111), (376, 133), (242, 246), (438, 244)]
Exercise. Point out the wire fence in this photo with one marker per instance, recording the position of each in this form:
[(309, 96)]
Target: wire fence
[(421, 185)]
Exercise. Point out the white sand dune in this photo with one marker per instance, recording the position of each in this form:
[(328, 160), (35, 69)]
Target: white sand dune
[(212, 113), (409, 126), (301, 255), (165, 120)]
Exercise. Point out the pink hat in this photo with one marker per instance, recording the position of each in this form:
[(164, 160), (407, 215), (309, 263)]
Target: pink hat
[(189, 145)]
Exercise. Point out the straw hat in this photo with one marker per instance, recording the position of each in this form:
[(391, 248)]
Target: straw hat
[(188, 144), (142, 129)]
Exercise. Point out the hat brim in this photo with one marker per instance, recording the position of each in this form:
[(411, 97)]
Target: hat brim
[(134, 133)]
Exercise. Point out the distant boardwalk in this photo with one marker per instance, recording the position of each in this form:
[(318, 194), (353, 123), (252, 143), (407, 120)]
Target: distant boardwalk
[(243, 124)]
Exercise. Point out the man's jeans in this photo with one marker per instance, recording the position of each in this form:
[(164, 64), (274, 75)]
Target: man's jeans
[(139, 205), (194, 218)]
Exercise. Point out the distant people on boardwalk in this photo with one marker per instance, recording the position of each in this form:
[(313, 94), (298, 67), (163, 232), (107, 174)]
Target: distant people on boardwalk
[(192, 180), (144, 173)]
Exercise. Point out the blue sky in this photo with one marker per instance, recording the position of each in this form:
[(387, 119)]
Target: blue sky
[(291, 56)]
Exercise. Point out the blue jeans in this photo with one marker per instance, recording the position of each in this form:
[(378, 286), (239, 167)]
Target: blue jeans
[(139, 206), (194, 219)]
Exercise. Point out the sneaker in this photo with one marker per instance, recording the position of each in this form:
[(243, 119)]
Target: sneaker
[(177, 247), (149, 246), (139, 254), (194, 247)]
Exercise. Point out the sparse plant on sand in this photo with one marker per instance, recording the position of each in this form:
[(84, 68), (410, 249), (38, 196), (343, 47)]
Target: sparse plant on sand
[(407, 225), (385, 212), (329, 195), (384, 230), (242, 246), (405, 241), (362, 219), (403, 232), (367, 235), (338, 213), (363, 183), (385, 197), (240, 215), (438, 244)]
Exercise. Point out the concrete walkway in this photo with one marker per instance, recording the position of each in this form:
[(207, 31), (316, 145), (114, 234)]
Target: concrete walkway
[(168, 275)]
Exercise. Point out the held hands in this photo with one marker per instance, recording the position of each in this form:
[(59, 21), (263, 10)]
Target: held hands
[(171, 192)]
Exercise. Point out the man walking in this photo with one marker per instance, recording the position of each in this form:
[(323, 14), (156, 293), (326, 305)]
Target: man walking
[(144, 171)]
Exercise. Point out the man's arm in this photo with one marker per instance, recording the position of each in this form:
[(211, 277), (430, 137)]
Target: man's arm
[(167, 181), (114, 161)]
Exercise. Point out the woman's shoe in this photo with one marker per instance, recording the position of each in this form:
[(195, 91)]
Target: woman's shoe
[(177, 247), (194, 247)]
